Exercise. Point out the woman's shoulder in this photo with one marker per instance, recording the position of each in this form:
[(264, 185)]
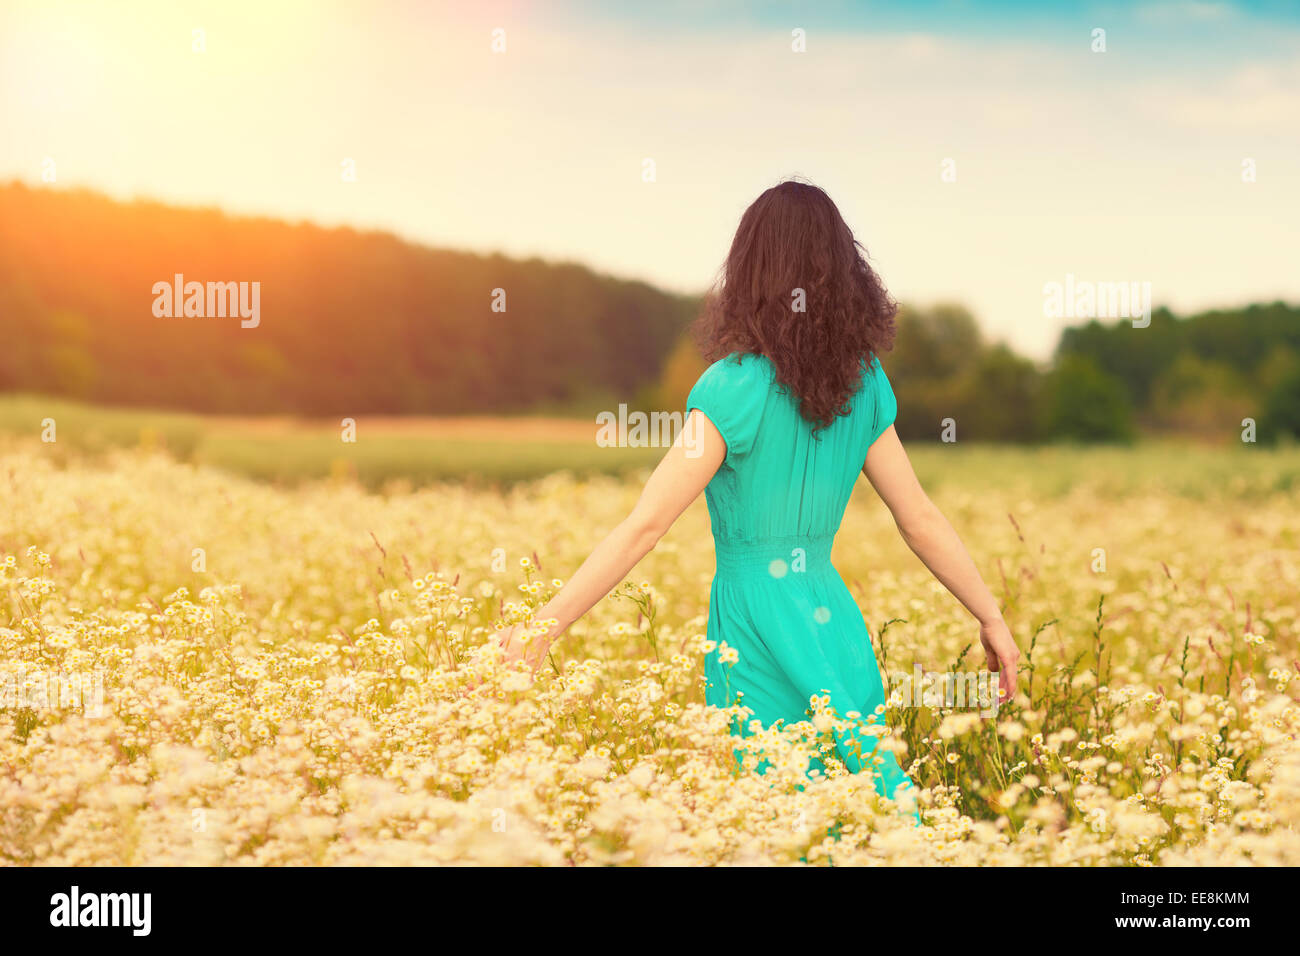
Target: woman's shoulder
[(741, 379), (874, 378), (733, 394), (739, 369), (878, 401)]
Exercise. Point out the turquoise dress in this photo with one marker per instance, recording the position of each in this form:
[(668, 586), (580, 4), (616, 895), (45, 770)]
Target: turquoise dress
[(775, 505)]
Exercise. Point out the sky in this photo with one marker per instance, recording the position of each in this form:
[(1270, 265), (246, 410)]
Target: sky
[(1122, 165)]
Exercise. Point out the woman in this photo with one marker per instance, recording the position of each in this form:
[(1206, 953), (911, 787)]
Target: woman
[(793, 408)]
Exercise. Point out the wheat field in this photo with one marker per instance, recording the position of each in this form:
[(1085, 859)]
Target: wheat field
[(198, 668)]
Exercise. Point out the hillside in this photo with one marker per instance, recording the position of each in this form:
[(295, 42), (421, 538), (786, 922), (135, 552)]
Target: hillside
[(347, 322)]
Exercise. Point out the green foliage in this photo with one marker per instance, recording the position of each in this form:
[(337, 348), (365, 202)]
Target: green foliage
[(1083, 403), (1196, 396), (941, 368), (1242, 340), (1197, 376), (351, 323), (1134, 356), (934, 344), (1281, 415), (1002, 394)]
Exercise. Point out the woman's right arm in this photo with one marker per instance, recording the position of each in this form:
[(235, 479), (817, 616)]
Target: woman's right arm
[(933, 540)]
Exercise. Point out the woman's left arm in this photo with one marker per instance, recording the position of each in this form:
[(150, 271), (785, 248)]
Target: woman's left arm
[(695, 457)]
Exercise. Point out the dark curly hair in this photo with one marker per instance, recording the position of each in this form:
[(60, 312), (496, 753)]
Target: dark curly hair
[(793, 238)]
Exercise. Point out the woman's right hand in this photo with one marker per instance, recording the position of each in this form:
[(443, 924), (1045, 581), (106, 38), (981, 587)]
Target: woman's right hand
[(524, 642), (1003, 655)]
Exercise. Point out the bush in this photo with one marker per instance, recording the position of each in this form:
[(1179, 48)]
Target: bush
[(1281, 414), (1085, 404)]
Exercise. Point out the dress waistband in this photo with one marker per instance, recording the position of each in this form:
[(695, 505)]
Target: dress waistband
[(774, 557)]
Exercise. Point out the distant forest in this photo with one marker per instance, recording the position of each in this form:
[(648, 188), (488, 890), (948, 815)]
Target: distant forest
[(350, 323), (365, 323), (1199, 377)]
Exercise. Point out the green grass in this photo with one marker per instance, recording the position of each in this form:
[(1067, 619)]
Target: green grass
[(1183, 468), (417, 454), (380, 460), (85, 428), (312, 450)]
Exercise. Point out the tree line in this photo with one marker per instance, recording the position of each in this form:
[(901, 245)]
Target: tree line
[(350, 322), (1201, 376), (364, 323)]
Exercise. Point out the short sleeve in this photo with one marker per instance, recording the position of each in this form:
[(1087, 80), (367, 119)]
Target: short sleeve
[(886, 405), (732, 393)]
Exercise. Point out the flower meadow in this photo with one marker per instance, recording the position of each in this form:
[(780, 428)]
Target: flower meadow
[(198, 669)]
